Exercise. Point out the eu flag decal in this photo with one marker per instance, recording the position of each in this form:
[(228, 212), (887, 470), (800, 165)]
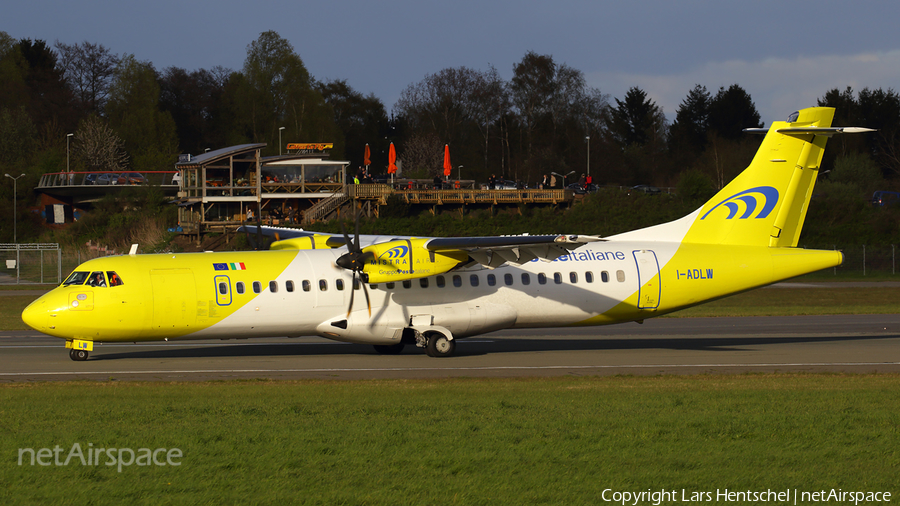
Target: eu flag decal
[(220, 267)]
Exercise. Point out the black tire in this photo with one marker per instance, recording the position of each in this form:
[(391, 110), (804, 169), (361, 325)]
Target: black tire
[(439, 346), (79, 355), (72, 354), (389, 349)]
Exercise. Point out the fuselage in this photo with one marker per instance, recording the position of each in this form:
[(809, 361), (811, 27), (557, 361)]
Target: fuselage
[(303, 292)]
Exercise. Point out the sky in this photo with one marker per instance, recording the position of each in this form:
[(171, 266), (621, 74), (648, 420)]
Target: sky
[(784, 53)]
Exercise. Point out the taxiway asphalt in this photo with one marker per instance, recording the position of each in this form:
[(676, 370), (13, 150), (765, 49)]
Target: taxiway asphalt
[(845, 343)]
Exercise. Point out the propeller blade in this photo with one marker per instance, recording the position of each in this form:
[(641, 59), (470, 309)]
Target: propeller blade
[(368, 303), (352, 292)]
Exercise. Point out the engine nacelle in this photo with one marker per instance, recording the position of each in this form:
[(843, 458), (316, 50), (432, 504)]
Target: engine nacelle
[(316, 241), (408, 259)]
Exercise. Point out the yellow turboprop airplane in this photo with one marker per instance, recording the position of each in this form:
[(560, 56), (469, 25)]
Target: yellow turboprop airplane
[(431, 291)]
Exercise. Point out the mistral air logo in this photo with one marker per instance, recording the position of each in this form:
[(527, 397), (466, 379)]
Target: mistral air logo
[(750, 198), (395, 252)]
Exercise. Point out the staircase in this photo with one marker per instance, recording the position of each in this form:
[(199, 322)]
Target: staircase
[(324, 208)]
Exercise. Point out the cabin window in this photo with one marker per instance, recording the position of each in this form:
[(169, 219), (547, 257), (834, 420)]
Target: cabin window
[(339, 284), (491, 279), (273, 286), (76, 278), (257, 287), (373, 287), (323, 285), (573, 277), (508, 279), (114, 279), (306, 285), (223, 288), (589, 276), (526, 279), (473, 280), (423, 282), (407, 283), (620, 276), (239, 287), (557, 278), (97, 279), (604, 276), (457, 281), (289, 286), (440, 281), (542, 278), (390, 286)]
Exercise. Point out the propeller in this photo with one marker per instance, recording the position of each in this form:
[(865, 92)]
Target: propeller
[(355, 260)]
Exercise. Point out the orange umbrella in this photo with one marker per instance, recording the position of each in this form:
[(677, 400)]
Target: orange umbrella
[(367, 158), (392, 160), (447, 165)]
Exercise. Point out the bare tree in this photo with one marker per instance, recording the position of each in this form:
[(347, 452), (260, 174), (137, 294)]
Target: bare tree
[(98, 146), (89, 70)]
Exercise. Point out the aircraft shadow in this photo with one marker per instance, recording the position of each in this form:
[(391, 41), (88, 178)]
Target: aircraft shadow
[(483, 345)]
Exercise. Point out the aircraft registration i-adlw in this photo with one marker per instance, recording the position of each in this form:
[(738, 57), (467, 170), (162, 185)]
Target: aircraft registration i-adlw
[(432, 291)]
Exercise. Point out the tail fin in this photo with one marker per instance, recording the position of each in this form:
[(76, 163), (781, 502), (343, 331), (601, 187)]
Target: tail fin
[(766, 204)]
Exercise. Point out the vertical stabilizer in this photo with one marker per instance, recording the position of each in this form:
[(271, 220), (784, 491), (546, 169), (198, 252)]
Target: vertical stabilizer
[(766, 204)]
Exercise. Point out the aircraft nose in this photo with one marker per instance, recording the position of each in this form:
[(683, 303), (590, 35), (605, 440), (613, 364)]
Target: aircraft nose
[(35, 315)]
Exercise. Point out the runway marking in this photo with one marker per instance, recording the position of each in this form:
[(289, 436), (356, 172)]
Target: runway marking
[(484, 368)]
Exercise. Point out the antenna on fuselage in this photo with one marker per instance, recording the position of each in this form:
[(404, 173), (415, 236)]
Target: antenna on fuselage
[(133, 250)]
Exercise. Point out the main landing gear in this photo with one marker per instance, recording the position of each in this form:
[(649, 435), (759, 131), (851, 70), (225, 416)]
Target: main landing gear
[(437, 343), (78, 355)]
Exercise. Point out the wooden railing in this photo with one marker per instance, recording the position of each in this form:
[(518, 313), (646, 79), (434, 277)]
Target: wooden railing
[(380, 192)]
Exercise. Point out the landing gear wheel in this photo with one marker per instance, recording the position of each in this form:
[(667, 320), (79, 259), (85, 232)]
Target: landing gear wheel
[(78, 355), (389, 349), (439, 346)]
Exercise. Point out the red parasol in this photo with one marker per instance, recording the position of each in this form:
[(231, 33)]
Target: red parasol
[(367, 158), (447, 165), (392, 160)]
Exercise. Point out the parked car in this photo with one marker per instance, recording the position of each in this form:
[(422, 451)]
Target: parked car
[(649, 190), (91, 178), (579, 189), (107, 178), (131, 178), (885, 198)]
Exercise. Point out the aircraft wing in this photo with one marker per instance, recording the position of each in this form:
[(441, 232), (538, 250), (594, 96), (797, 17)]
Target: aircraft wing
[(494, 251), (490, 251)]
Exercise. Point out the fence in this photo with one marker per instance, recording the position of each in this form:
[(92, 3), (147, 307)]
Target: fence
[(31, 263)]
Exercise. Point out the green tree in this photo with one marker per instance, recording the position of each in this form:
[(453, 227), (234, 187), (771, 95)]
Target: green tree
[(133, 112), (637, 120), (278, 91), (688, 131), (731, 111), (362, 119)]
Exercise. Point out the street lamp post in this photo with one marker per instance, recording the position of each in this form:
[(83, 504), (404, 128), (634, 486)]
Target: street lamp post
[(279, 140), (588, 139), (15, 207), (460, 173), (68, 136)]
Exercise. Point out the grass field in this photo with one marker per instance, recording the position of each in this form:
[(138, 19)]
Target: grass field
[(514, 441)]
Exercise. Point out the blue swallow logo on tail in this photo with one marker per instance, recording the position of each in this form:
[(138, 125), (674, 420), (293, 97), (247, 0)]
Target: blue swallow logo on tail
[(750, 200)]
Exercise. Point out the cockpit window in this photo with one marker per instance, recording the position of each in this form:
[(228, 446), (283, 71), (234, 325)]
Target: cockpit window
[(97, 279), (114, 279), (76, 278)]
